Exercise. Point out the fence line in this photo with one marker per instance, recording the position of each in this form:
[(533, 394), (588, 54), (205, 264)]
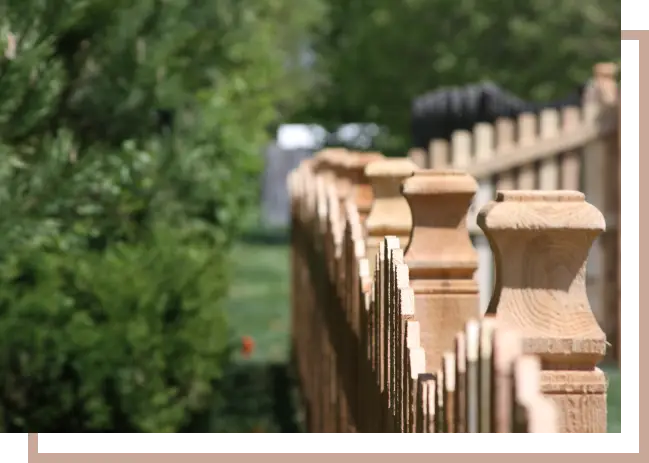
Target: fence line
[(575, 148), (387, 329)]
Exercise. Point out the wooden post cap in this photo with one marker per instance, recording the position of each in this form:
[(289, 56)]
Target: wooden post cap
[(338, 162), (320, 161), (361, 191), (606, 70), (440, 246), (391, 168), (326, 161), (389, 213), (540, 241)]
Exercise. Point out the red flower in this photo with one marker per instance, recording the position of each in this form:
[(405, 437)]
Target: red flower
[(247, 346)]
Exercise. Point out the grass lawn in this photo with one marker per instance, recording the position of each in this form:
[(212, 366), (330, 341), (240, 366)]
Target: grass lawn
[(258, 306), (613, 374), (257, 387), (258, 303)]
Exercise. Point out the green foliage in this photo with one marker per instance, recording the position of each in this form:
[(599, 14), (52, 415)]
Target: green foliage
[(379, 54), (130, 134), (129, 339)]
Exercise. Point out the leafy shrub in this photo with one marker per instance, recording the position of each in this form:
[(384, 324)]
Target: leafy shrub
[(130, 339), (130, 134)]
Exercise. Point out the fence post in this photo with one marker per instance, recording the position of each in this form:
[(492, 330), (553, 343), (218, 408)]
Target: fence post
[(540, 241), (389, 214), (441, 258)]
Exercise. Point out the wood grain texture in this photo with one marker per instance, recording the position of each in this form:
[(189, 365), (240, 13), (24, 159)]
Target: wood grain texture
[(441, 258), (541, 242)]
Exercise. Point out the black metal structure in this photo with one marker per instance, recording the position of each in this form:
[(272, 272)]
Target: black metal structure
[(437, 114)]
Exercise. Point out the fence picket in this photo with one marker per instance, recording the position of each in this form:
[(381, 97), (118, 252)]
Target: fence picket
[(438, 154), (527, 125), (504, 141), (549, 168), (570, 160), (461, 149)]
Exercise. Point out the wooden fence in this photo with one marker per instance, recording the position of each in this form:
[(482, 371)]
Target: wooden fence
[(389, 337), (392, 332), (576, 148)]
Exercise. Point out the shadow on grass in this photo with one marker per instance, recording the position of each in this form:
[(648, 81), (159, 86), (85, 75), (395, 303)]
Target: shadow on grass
[(266, 236), (254, 397)]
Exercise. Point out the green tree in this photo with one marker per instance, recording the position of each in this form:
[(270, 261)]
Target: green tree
[(376, 55)]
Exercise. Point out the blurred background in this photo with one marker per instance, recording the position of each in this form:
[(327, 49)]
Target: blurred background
[(144, 147)]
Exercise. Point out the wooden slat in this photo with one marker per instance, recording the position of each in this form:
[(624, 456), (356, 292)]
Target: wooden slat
[(527, 124), (525, 155), (504, 144), (461, 149), (438, 154), (549, 167), (460, 383)]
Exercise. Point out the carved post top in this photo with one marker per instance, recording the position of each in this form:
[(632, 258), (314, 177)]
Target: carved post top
[(323, 156), (361, 191), (541, 241), (386, 175), (326, 162), (341, 180), (440, 246), (389, 213), (319, 164), (538, 211), (428, 182)]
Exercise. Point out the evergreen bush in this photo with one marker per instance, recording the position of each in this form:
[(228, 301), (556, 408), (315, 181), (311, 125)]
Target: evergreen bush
[(130, 134)]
